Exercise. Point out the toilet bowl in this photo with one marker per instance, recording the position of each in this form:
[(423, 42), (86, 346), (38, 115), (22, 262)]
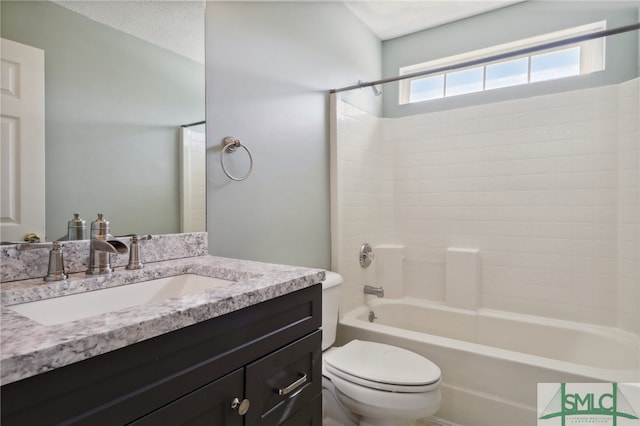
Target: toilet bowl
[(369, 383)]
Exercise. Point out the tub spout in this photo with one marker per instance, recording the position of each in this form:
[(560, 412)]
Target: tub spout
[(100, 255), (376, 291)]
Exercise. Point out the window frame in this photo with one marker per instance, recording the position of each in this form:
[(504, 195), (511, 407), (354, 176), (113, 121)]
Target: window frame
[(592, 59)]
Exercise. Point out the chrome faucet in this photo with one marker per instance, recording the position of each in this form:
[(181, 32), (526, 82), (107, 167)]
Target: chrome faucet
[(100, 255), (376, 291), (135, 259), (56, 270)]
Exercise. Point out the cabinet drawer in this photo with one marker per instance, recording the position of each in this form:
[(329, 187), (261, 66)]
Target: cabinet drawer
[(309, 415), (209, 405), (284, 381)]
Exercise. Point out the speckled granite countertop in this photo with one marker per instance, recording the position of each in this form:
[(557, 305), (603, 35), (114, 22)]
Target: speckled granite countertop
[(30, 348)]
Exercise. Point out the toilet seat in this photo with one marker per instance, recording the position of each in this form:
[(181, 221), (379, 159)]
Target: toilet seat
[(383, 367)]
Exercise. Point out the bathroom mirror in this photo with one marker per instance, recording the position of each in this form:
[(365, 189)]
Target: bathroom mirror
[(114, 106)]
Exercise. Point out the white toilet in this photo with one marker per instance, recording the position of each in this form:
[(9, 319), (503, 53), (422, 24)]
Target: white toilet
[(371, 384)]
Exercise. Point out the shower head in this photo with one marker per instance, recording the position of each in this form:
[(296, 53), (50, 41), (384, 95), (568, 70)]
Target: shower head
[(376, 91)]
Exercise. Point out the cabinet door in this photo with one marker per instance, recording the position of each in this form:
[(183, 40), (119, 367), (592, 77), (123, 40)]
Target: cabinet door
[(209, 405), (309, 415), (284, 381)]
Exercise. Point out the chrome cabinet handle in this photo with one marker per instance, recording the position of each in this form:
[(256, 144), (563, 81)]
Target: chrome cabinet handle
[(241, 406), (293, 386)]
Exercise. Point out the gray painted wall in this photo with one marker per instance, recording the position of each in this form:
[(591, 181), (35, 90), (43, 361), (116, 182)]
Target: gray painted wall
[(113, 107), (514, 22), (269, 68)]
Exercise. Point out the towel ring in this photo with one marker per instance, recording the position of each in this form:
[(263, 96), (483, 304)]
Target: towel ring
[(230, 144)]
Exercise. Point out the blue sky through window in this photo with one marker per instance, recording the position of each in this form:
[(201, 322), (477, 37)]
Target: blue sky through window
[(509, 73), (536, 67), (427, 88), (466, 81), (544, 66), (562, 63)]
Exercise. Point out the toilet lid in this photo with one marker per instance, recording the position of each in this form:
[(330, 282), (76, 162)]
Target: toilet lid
[(382, 363)]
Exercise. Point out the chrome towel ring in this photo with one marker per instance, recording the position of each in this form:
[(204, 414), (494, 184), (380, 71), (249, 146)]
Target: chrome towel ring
[(230, 144)]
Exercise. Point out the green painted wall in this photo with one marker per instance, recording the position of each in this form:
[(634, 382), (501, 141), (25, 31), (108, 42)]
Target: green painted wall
[(269, 68)]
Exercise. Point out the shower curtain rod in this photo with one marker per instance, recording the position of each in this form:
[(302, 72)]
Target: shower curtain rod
[(571, 40), (197, 123)]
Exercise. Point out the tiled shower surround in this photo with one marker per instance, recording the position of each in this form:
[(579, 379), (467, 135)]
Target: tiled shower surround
[(547, 189)]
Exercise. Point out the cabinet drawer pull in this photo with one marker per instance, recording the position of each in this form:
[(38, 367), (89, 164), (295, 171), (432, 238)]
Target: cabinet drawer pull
[(242, 407), (293, 386)]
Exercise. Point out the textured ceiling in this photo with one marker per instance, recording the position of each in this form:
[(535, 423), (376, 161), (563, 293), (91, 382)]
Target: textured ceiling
[(390, 19), (174, 25), (179, 25)]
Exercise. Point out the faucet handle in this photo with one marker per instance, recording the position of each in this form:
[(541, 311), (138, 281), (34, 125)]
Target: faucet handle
[(56, 270), (135, 261), (365, 255)]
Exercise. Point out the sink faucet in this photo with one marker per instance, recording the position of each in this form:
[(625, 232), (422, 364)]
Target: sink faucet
[(135, 259), (56, 271), (100, 255), (376, 291)]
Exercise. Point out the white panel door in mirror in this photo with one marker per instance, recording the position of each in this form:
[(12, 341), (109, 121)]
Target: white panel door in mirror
[(22, 166)]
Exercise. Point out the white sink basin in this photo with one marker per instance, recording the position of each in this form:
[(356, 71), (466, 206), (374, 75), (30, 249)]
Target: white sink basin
[(62, 309)]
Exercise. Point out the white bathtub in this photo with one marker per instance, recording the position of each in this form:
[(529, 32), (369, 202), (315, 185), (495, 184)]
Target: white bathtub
[(492, 361)]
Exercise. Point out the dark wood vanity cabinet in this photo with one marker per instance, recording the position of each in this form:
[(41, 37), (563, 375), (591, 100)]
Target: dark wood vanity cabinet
[(261, 383), (209, 405), (268, 354)]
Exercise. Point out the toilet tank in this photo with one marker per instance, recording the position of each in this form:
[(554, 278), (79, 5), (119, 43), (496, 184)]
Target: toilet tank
[(330, 303)]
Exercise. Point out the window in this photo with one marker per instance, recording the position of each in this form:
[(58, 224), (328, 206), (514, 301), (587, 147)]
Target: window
[(558, 64), (465, 81), (564, 61), (507, 73), (427, 88)]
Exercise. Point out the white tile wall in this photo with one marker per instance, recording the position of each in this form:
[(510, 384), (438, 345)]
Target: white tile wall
[(628, 214), (364, 197), (547, 188)]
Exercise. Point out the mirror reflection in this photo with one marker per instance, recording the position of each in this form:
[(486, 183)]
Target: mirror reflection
[(115, 104)]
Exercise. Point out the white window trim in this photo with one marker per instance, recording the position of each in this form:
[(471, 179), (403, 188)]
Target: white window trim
[(591, 59)]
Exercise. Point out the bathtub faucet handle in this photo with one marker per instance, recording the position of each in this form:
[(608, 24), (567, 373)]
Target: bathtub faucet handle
[(366, 255), (376, 291)]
